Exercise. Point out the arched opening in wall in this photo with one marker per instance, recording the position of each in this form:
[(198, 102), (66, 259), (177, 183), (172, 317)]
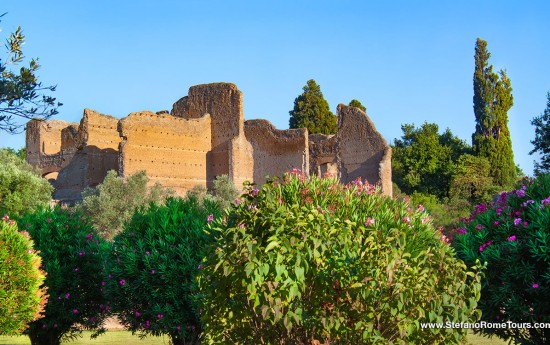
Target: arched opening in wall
[(51, 176), (328, 169)]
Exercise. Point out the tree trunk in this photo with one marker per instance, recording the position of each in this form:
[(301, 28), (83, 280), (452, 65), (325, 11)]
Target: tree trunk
[(43, 338)]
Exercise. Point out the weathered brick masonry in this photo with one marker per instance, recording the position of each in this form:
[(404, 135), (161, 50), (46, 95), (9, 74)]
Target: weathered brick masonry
[(204, 136)]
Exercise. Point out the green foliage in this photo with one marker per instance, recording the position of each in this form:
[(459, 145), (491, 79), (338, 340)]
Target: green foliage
[(21, 298), (153, 265), (311, 111), (306, 260), (471, 182), (114, 201), (225, 191), (541, 142), (492, 100), (20, 92), (513, 237), (443, 214), (357, 104), (22, 189), (73, 257), (423, 160)]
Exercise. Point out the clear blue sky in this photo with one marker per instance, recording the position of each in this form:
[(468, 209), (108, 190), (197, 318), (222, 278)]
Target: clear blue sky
[(406, 61)]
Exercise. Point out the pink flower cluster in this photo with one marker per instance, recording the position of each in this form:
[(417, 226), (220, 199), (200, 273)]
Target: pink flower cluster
[(7, 219), (485, 245)]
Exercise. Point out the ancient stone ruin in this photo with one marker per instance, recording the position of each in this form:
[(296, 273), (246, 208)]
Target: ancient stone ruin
[(204, 136)]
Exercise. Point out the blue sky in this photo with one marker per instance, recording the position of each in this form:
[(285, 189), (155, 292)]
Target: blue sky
[(406, 61)]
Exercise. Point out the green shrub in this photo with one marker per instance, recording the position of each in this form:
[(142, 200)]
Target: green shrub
[(225, 190), (73, 256), (21, 298), (306, 260), (153, 264), (22, 189), (513, 237), (114, 201)]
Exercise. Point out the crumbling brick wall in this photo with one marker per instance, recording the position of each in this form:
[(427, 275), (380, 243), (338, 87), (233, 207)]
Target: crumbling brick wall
[(362, 151), (274, 151), (224, 103), (322, 155), (203, 137), (94, 148), (172, 150), (44, 145)]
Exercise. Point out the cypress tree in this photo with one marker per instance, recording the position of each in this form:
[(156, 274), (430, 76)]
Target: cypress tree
[(492, 100), (311, 111), (542, 139)]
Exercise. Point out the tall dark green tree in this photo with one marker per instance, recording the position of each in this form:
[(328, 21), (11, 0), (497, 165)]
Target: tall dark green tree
[(542, 139), (311, 111), (357, 104), (492, 100)]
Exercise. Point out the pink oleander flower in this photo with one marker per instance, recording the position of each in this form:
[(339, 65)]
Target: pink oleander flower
[(512, 238), (484, 245), (496, 222), (480, 227), (462, 231), (254, 192), (75, 311), (152, 271), (525, 224), (237, 201), (138, 314), (420, 208), (122, 282), (159, 316), (406, 219), (425, 220), (520, 193), (210, 218), (535, 286), (67, 295), (369, 221), (517, 221), (499, 211)]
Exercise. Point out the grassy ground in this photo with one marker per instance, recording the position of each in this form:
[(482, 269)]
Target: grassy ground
[(126, 338)]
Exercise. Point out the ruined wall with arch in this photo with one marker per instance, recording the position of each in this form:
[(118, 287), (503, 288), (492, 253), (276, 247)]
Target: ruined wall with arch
[(204, 136)]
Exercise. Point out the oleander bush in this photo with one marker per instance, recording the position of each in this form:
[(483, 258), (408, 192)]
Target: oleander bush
[(73, 256), (153, 265), (309, 261), (512, 236), (21, 298)]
